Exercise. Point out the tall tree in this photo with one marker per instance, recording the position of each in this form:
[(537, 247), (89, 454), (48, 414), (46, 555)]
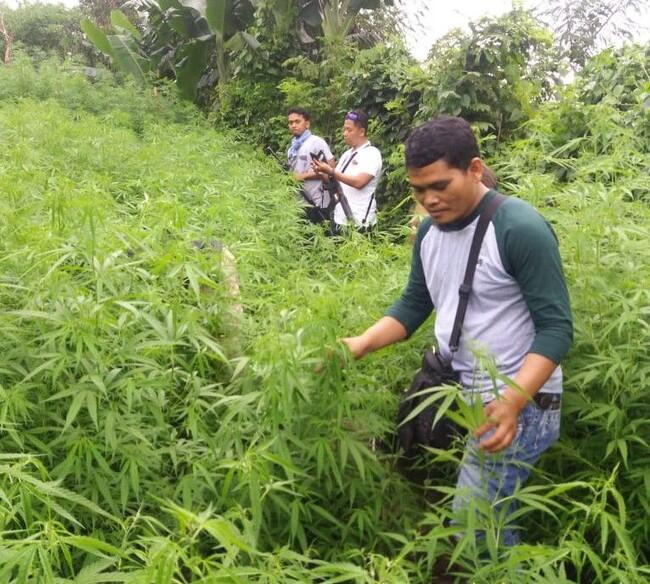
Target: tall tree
[(494, 75), (41, 30), (583, 27)]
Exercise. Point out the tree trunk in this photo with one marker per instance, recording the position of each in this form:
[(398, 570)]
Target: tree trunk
[(8, 38)]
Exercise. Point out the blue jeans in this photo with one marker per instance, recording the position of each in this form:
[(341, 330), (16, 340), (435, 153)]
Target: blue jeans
[(487, 478)]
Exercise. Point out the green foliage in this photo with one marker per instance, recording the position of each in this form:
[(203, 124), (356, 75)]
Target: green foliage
[(603, 120), (45, 30), (255, 109), (192, 40), (334, 22), (151, 433), (586, 165), (99, 11), (124, 103), (121, 47), (493, 76), (381, 79), (617, 74), (196, 42), (582, 27), (149, 420), (268, 55)]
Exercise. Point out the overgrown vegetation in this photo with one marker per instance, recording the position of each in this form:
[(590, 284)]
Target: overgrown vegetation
[(41, 31), (245, 62), (150, 433)]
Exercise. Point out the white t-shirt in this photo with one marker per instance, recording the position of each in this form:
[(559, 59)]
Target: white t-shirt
[(367, 161), (314, 189)]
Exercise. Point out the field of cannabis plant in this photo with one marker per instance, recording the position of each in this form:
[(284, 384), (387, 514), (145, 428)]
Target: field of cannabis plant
[(152, 433)]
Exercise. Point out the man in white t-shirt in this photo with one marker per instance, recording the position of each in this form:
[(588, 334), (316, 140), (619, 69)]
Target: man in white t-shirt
[(304, 144), (357, 172)]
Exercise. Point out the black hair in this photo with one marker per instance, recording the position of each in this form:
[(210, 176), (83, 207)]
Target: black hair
[(301, 111), (359, 118), (488, 178), (445, 137)]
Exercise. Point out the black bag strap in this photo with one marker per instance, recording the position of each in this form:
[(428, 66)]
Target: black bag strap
[(466, 286), (365, 217), (348, 162), (344, 203)]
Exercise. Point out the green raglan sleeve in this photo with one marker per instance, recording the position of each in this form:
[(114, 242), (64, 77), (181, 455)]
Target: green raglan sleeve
[(414, 305), (530, 254)]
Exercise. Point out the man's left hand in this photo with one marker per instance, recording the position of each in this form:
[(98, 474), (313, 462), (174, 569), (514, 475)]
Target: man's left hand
[(502, 416)]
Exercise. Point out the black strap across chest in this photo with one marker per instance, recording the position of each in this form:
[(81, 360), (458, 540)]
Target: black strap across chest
[(348, 162), (466, 287)]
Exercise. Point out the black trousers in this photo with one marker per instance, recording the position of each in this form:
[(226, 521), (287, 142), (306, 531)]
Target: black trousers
[(337, 229), (317, 215)]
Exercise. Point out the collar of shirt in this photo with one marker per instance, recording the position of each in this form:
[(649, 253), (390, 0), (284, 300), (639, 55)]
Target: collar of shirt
[(351, 152), (364, 145)]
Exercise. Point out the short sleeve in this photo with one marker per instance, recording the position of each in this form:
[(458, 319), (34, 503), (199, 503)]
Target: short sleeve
[(369, 162), (326, 150), (319, 145)]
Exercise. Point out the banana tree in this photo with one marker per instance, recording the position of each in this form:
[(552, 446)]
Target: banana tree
[(331, 19), (121, 46), (220, 29), (192, 39), (335, 18)]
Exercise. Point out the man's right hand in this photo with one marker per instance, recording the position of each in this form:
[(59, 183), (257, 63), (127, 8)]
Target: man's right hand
[(356, 346), (384, 332), (322, 167)]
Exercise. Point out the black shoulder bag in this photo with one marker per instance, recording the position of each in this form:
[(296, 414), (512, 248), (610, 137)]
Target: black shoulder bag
[(436, 370)]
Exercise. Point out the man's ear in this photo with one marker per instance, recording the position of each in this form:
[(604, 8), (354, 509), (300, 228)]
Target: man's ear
[(476, 167)]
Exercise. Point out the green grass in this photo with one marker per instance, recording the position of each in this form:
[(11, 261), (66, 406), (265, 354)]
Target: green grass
[(150, 434)]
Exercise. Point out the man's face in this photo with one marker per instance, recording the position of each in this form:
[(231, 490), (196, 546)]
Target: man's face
[(297, 124), (448, 194), (352, 134)]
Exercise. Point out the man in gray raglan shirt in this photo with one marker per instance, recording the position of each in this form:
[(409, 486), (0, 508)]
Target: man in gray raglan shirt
[(518, 314)]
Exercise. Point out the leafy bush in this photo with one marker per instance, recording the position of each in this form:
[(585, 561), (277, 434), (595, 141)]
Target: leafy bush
[(598, 132), (46, 30), (493, 76), (100, 93)]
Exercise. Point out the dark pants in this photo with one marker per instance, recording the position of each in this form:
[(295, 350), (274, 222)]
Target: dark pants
[(336, 229), (316, 215)]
